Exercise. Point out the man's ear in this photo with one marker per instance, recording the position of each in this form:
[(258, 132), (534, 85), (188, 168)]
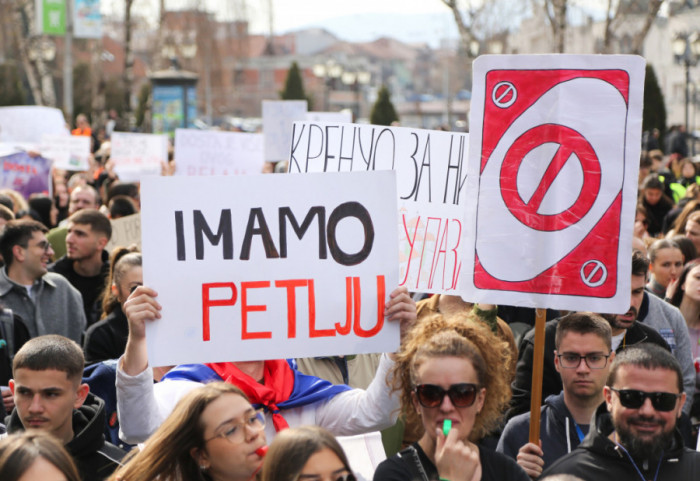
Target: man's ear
[(11, 384), (556, 361), (102, 241), (681, 401), (18, 253), (607, 394), (82, 392)]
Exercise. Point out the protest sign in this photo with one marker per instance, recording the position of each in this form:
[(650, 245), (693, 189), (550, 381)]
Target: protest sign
[(68, 152), (552, 184), (125, 232), (431, 171), (278, 117), (206, 152), (28, 124), (138, 155), (25, 173), (269, 266), (336, 117)]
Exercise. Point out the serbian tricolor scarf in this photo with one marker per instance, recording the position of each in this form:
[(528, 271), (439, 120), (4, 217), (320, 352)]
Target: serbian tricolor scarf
[(282, 387)]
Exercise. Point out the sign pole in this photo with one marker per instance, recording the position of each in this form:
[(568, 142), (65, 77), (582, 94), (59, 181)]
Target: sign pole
[(537, 368)]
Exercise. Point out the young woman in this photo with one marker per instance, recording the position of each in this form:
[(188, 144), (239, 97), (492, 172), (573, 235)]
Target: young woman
[(450, 375), (106, 339), (213, 434), (35, 455), (307, 453), (656, 203), (666, 264)]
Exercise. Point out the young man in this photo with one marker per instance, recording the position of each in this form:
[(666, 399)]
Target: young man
[(86, 264), (582, 359), (49, 395), (634, 434), (81, 197), (45, 301)]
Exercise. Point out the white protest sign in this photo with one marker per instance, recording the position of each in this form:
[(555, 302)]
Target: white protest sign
[(431, 171), (28, 124), (138, 155), (207, 152), (278, 117), (335, 117), (125, 232), (553, 180), (68, 152), (269, 266)]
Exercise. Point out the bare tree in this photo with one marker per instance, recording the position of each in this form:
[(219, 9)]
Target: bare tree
[(555, 13), (619, 11), (128, 74)]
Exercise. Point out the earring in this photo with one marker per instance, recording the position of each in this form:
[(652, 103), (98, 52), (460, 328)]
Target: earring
[(203, 467)]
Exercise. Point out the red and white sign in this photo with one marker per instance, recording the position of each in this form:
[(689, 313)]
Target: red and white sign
[(553, 162)]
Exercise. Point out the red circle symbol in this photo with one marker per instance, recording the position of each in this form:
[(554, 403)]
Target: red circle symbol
[(570, 143)]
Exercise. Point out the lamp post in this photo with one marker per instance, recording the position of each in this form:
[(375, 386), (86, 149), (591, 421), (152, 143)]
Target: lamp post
[(686, 51)]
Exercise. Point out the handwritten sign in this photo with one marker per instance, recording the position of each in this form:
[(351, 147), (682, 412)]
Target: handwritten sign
[(138, 155), (68, 152), (125, 232), (246, 275), (28, 124), (25, 174), (552, 182), (430, 170), (206, 152), (278, 117)]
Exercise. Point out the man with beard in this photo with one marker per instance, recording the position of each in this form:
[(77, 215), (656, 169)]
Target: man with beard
[(634, 433)]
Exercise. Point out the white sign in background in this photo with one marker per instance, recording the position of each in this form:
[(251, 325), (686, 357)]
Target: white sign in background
[(278, 117), (28, 123), (553, 180), (206, 152), (125, 232), (68, 152), (138, 155), (336, 117), (221, 277), (430, 171)]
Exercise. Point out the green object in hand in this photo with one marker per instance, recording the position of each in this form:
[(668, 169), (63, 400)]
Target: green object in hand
[(446, 426)]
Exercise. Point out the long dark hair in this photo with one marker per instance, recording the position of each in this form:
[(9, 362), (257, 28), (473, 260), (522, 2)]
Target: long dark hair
[(678, 294)]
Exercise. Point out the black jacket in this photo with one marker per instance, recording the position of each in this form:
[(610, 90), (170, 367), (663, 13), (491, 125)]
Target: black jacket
[(96, 459), (597, 457), (107, 338), (551, 381)]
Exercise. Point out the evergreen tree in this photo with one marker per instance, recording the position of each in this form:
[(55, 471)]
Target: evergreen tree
[(11, 90), (654, 113), (293, 86), (383, 111)]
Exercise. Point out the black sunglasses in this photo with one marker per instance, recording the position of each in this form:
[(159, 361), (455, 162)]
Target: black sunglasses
[(462, 395), (634, 399)]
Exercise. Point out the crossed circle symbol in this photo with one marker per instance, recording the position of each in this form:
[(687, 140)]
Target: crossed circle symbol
[(504, 94), (570, 142), (594, 273)]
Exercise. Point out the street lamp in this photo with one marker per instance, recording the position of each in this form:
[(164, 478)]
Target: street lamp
[(686, 51)]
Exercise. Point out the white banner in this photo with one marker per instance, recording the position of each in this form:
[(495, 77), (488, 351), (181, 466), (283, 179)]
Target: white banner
[(430, 171), (207, 152), (553, 180), (28, 124), (269, 266), (68, 152), (278, 117), (138, 155)]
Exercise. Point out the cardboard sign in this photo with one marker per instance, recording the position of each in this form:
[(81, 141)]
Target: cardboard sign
[(278, 117), (553, 180), (430, 171), (138, 155), (28, 124), (125, 232), (25, 174), (206, 152), (246, 275), (335, 117), (68, 152)]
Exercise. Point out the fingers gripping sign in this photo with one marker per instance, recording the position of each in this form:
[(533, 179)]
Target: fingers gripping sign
[(530, 459)]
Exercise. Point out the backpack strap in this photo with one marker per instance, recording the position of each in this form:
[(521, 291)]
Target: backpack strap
[(411, 460)]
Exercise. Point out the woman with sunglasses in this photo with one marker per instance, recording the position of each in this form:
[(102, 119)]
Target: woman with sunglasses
[(306, 453), (451, 377), (213, 434)]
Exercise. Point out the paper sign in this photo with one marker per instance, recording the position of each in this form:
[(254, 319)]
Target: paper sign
[(278, 117), (28, 124), (125, 232), (68, 152), (206, 152), (553, 180), (25, 174), (431, 171), (335, 117), (138, 155), (269, 266), (87, 19), (50, 17)]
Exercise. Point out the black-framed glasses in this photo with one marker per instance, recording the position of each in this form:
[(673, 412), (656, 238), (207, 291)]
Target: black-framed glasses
[(634, 399), (571, 360), (462, 395), (235, 431), (45, 245), (345, 476)]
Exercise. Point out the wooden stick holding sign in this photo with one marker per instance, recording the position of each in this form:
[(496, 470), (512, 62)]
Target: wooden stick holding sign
[(537, 374)]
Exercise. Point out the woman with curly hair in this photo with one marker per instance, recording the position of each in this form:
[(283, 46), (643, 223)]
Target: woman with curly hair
[(451, 378)]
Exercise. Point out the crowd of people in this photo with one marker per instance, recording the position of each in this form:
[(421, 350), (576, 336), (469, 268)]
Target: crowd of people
[(81, 400)]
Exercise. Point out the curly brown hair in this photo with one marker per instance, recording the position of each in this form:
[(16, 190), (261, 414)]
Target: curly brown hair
[(456, 336)]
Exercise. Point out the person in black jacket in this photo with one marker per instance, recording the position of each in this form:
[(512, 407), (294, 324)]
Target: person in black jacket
[(49, 395), (634, 435)]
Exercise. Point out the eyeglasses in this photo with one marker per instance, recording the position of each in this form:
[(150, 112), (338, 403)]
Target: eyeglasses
[(235, 431), (346, 476), (571, 360), (431, 396), (634, 399), (45, 245)]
